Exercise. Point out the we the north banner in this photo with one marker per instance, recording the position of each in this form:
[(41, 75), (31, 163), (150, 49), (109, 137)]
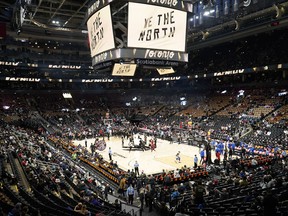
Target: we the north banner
[(156, 27)]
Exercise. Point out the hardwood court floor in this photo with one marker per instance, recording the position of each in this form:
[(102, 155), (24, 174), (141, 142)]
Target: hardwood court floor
[(150, 162)]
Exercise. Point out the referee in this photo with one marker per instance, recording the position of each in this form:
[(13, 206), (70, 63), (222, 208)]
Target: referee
[(136, 168)]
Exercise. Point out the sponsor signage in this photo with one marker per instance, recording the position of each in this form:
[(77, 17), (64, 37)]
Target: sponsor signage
[(48, 66), (96, 5), (65, 67), (176, 4), (169, 3), (166, 79), (103, 65), (156, 27), (159, 54), (174, 78), (6, 63), (100, 31), (25, 79), (22, 79), (124, 69), (97, 80), (156, 62), (230, 72), (106, 56), (143, 54)]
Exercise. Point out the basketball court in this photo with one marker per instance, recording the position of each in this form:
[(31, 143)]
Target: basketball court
[(164, 158)]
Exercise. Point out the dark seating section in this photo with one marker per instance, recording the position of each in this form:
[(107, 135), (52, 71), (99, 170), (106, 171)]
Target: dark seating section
[(45, 180), (232, 194)]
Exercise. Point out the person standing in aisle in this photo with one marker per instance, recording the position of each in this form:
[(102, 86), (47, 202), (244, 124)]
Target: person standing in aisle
[(110, 153), (92, 147), (107, 190), (230, 153), (130, 194), (142, 193)]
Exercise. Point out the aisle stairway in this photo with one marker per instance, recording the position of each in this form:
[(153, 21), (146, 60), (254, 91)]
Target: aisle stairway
[(17, 171)]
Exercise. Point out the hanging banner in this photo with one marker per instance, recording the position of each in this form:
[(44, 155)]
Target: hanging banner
[(124, 69), (200, 13), (235, 5), (156, 27), (163, 71), (100, 31), (226, 7), (217, 8)]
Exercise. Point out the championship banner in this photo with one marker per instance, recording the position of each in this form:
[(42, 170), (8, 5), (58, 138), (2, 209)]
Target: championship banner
[(226, 7), (217, 8), (100, 145), (235, 4), (124, 70), (200, 13), (100, 31), (156, 27)]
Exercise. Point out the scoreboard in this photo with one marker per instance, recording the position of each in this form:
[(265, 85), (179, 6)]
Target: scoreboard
[(155, 30)]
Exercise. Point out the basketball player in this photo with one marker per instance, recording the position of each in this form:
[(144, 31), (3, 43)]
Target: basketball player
[(152, 145), (178, 159)]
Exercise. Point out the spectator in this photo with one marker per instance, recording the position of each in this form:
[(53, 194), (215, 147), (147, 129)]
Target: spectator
[(199, 193), (130, 194), (78, 207), (16, 211), (107, 190), (270, 203)]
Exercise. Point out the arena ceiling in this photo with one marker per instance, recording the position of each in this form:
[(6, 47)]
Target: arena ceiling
[(65, 20), (51, 19)]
